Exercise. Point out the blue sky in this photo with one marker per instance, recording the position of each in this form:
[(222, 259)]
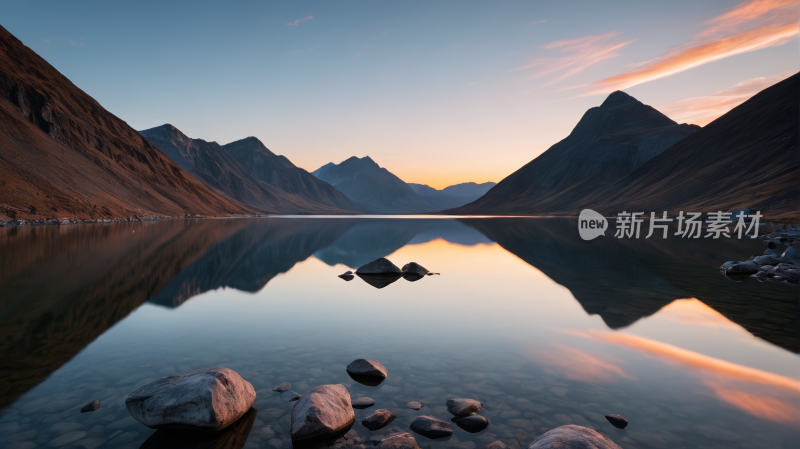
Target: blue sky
[(438, 92)]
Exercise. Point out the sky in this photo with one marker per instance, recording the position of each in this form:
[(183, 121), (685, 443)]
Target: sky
[(438, 92)]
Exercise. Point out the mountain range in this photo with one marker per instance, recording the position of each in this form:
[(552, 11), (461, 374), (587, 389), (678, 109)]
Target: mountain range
[(467, 192)]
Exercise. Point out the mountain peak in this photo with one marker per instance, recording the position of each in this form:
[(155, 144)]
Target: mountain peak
[(619, 99)]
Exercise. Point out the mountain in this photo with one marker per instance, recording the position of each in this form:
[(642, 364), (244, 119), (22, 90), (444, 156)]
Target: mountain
[(466, 192), (278, 171), (377, 189), (608, 143), (63, 155), (215, 167)]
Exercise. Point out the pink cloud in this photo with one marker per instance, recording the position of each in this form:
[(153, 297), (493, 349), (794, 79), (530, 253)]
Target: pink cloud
[(299, 21)]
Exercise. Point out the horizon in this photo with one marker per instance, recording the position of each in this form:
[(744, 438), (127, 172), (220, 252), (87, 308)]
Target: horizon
[(443, 85)]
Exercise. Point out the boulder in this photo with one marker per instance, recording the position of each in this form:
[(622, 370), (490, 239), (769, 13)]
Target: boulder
[(363, 402), (766, 260), (232, 437), (398, 441), (431, 427), (282, 387), (90, 407), (322, 412), (205, 399), (379, 266), (742, 268), (378, 420), (573, 437), (496, 445), (367, 372), (792, 253), (617, 421), (473, 423), (414, 268), (463, 406), (414, 405)]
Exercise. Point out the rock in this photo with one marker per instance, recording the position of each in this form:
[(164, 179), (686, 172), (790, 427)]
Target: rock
[(348, 272), (431, 427), (496, 445), (414, 405), (282, 387), (295, 396), (766, 260), (321, 413), (90, 407), (378, 420), (398, 441), (206, 399), (232, 437), (742, 268), (379, 266), (367, 372), (412, 277), (472, 423), (363, 402), (617, 421), (414, 268), (379, 280), (431, 274), (347, 277), (573, 437), (792, 253), (463, 406)]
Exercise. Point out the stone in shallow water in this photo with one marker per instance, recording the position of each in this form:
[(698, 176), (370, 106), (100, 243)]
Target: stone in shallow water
[(378, 266), (232, 437), (363, 402), (378, 420), (398, 441), (321, 413), (414, 268), (367, 372), (282, 387), (431, 427), (617, 421), (295, 396), (573, 437), (414, 405), (205, 399), (90, 407), (472, 423), (463, 406)]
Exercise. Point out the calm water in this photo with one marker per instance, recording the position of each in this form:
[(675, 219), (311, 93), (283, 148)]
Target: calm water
[(544, 328)]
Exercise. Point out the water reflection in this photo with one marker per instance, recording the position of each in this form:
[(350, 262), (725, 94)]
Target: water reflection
[(232, 437)]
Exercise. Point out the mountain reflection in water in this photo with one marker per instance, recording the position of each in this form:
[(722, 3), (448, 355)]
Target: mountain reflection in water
[(64, 286)]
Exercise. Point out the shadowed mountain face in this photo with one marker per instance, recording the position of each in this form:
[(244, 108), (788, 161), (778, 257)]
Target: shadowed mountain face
[(62, 155), (211, 163), (609, 142), (377, 189), (279, 172), (624, 280), (465, 192)]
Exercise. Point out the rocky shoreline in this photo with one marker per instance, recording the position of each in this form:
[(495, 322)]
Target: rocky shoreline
[(779, 263)]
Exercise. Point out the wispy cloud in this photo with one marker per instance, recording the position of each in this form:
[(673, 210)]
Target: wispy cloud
[(750, 26), (703, 110), (536, 23), (579, 54), (64, 39), (299, 21)]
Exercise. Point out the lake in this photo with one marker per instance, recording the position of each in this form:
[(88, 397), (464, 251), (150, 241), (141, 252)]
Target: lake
[(544, 328)]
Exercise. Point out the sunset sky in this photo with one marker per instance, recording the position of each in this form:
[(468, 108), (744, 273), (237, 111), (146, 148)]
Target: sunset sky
[(437, 92)]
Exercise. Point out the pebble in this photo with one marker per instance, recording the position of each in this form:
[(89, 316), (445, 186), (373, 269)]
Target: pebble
[(364, 402), (90, 407), (414, 405), (473, 423), (282, 387), (431, 427), (463, 406), (617, 421), (378, 420)]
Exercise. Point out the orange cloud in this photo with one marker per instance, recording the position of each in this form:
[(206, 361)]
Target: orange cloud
[(703, 110), (581, 53), (696, 361), (750, 26), (578, 365), (763, 407)]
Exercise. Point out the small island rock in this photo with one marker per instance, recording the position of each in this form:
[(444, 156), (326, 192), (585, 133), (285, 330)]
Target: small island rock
[(205, 399), (473, 423), (90, 407), (282, 387), (362, 367), (363, 402), (379, 266), (414, 268), (414, 405), (463, 406), (573, 437), (378, 420), (431, 427), (322, 411), (398, 441), (617, 421)]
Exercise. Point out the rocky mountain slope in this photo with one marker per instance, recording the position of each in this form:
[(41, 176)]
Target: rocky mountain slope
[(280, 172), (62, 155), (608, 143), (215, 167), (466, 192), (377, 189)]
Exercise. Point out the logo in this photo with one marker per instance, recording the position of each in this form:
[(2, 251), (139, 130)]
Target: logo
[(591, 224)]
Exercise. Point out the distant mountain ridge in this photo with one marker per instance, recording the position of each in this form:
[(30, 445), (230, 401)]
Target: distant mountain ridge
[(466, 191)]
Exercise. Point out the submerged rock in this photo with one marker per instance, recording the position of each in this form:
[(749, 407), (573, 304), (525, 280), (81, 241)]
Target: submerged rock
[(232, 437), (367, 372), (617, 421), (379, 266), (431, 427), (378, 420), (282, 387), (414, 268), (90, 407), (414, 405), (205, 399), (472, 423), (322, 412), (463, 406), (363, 402), (398, 441), (295, 396), (573, 437)]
